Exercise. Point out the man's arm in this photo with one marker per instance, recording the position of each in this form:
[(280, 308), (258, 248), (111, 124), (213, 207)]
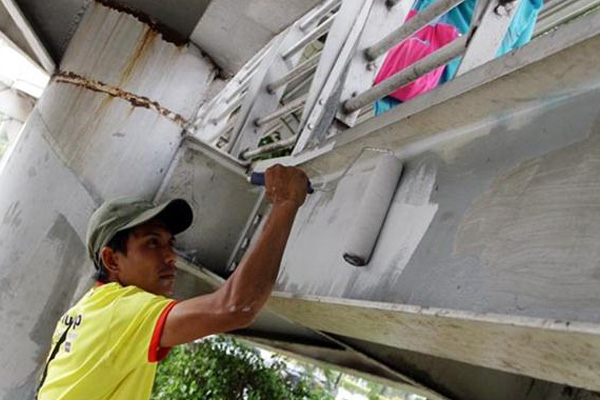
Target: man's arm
[(238, 301)]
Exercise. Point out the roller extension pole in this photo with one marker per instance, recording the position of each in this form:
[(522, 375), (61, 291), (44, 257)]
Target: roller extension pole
[(373, 210)]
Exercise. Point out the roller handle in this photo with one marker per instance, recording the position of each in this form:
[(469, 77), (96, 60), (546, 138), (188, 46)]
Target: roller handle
[(258, 179)]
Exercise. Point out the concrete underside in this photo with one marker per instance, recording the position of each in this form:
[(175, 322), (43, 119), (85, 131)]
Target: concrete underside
[(490, 246)]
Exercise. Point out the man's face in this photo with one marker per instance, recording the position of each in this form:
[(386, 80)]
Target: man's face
[(150, 261)]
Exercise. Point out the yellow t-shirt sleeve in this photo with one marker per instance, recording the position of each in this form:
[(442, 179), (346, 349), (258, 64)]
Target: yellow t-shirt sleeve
[(135, 327)]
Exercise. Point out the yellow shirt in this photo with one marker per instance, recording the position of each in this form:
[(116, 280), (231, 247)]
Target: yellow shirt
[(112, 347)]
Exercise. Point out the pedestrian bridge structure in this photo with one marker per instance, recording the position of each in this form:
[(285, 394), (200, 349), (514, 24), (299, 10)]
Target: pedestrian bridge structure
[(485, 281)]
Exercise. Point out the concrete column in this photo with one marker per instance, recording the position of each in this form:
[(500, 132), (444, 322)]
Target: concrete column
[(108, 125)]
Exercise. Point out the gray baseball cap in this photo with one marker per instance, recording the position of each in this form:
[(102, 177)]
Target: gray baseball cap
[(124, 213)]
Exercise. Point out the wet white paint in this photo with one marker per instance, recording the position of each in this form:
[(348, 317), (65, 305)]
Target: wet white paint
[(313, 261)]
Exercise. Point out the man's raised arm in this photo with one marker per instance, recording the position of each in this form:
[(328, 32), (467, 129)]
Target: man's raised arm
[(238, 301)]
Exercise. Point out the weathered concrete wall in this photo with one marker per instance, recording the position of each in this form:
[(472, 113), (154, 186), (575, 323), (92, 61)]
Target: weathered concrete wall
[(108, 125), (55, 22)]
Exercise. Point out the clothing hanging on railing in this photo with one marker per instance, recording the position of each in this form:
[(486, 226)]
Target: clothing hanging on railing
[(458, 19), (423, 43)]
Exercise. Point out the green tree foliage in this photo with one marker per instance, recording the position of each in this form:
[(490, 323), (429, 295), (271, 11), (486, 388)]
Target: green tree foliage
[(272, 138), (221, 368)]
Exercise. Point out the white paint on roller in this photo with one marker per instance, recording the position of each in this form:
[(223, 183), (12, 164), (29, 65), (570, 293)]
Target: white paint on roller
[(373, 209)]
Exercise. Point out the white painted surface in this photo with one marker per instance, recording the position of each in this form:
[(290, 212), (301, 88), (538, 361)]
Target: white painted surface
[(86, 128), (318, 237)]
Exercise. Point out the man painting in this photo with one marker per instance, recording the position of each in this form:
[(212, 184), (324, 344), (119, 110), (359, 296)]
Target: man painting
[(107, 345)]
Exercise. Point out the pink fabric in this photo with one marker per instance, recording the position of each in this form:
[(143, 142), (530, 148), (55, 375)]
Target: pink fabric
[(418, 46)]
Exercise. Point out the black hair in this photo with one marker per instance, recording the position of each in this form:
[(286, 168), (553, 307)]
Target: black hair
[(118, 243)]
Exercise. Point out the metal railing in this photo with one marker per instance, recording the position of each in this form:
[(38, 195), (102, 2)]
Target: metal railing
[(409, 28), (300, 71), (299, 95), (258, 95), (407, 75)]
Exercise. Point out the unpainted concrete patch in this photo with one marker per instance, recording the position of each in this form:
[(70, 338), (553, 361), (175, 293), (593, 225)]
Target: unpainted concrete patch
[(536, 230)]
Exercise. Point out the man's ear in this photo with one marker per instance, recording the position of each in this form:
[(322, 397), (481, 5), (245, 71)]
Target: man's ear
[(109, 258)]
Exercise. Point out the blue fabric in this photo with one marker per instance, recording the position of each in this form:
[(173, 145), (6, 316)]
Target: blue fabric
[(518, 34), (385, 104)]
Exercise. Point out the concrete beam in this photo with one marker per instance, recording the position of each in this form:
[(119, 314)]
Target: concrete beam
[(254, 25), (9, 30), (557, 351), (194, 280), (556, 12), (30, 35)]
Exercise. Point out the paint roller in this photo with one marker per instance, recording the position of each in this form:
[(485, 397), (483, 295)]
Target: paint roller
[(372, 211), (373, 207)]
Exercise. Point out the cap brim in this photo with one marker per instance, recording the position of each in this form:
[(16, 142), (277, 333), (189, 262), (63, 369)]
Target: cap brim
[(177, 214)]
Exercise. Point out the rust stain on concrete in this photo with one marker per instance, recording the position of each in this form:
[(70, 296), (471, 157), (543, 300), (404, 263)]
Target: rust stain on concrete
[(72, 78), (139, 54), (167, 33)]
